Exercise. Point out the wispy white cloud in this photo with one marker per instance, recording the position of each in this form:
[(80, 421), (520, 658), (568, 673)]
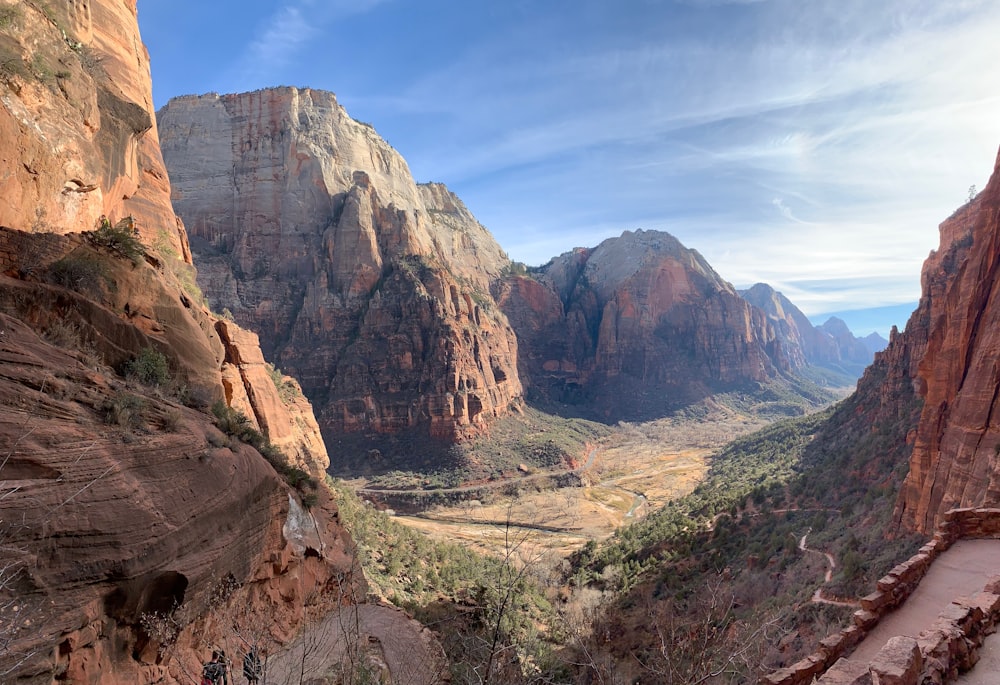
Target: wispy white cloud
[(284, 36)]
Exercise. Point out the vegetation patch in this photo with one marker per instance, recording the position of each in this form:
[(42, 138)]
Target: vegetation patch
[(149, 367), (235, 423), (84, 273), (122, 237), (125, 410)]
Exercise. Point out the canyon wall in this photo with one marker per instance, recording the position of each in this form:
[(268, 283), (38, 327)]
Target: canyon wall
[(830, 346), (369, 289), (121, 499), (955, 459)]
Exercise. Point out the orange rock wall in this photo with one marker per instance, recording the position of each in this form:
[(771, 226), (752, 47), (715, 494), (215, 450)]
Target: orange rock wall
[(954, 461)]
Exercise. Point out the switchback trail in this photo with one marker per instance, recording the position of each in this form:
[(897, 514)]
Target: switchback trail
[(818, 597)]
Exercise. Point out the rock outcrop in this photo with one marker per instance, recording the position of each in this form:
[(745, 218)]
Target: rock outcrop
[(954, 461), (371, 290), (121, 500), (831, 346), (637, 324)]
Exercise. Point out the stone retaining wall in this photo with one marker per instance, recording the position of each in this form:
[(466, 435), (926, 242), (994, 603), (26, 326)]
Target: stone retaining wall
[(22, 252), (948, 647)]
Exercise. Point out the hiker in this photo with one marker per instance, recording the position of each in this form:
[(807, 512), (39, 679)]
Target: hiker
[(215, 671), (252, 668)]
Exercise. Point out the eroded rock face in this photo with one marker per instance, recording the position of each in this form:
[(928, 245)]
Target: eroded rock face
[(126, 508), (371, 290), (127, 501), (954, 461), (638, 323)]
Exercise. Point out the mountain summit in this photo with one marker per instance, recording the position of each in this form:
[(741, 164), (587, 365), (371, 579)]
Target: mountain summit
[(371, 290)]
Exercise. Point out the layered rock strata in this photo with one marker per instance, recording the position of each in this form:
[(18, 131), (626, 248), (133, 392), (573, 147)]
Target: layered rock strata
[(119, 500), (371, 290)]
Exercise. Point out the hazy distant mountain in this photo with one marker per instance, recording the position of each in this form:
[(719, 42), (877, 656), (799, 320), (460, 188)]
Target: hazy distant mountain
[(831, 347)]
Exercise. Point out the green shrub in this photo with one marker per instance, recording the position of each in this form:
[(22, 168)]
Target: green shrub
[(235, 423), (228, 420), (9, 15), (150, 367), (124, 409), (123, 238), (80, 272)]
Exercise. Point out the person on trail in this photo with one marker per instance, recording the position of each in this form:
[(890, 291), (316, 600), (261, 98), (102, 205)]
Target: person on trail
[(215, 671), (252, 668)]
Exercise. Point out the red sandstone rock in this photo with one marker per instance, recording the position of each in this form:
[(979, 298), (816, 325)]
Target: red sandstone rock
[(898, 663), (637, 323), (121, 514), (954, 454)]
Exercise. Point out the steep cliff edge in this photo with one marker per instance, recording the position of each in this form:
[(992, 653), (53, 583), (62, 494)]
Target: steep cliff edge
[(371, 290), (120, 497), (636, 326), (955, 459)]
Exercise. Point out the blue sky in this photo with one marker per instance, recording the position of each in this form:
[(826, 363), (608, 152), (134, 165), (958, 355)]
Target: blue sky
[(811, 144)]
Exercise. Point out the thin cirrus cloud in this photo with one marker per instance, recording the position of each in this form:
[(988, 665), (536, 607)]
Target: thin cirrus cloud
[(287, 36), (789, 142)]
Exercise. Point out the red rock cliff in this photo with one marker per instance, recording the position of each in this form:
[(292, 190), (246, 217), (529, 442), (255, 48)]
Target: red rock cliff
[(955, 459), (637, 324), (127, 501)]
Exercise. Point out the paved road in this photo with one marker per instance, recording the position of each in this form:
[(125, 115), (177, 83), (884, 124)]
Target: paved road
[(961, 571)]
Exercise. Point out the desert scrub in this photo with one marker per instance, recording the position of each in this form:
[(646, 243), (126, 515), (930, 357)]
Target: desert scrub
[(122, 238), (149, 367), (84, 273), (287, 389), (235, 423), (124, 409), (10, 15)]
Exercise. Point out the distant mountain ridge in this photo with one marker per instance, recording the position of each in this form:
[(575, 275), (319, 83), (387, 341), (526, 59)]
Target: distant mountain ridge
[(830, 346)]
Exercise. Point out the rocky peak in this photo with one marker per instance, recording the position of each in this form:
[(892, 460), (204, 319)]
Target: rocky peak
[(875, 342), (831, 346), (635, 325), (373, 291)]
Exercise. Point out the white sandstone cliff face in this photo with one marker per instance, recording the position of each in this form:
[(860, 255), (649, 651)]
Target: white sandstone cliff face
[(371, 290)]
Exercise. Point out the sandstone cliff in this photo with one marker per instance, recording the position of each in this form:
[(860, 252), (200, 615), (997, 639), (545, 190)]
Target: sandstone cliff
[(371, 290), (954, 461), (637, 325), (119, 499)]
